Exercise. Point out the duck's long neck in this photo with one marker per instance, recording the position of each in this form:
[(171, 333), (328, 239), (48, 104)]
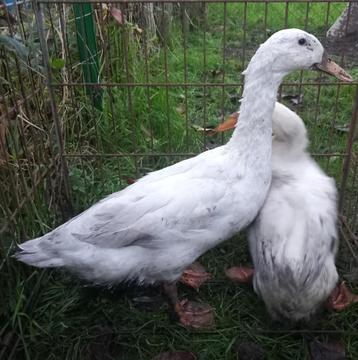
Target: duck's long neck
[(253, 131)]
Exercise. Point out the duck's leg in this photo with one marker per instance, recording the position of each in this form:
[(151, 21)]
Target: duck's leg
[(192, 315), (341, 297), (195, 275), (240, 274)]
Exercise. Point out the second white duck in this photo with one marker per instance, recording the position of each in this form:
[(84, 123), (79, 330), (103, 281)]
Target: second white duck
[(294, 240)]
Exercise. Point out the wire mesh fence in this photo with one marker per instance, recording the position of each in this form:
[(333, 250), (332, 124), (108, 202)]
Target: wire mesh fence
[(96, 94)]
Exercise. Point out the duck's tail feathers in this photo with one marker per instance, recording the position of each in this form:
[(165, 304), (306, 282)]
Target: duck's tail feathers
[(33, 252)]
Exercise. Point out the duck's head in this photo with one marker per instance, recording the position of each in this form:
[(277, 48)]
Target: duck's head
[(289, 132), (294, 49)]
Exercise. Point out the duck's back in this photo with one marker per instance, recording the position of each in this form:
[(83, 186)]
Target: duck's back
[(155, 228), (294, 240)]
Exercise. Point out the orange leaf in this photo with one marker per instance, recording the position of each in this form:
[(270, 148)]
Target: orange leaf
[(228, 124)]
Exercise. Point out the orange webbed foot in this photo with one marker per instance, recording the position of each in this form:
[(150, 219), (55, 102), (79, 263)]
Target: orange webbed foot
[(195, 315), (240, 274), (341, 297), (195, 275)]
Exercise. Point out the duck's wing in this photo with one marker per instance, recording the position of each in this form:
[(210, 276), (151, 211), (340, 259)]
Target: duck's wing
[(169, 203), (297, 227), (146, 218)]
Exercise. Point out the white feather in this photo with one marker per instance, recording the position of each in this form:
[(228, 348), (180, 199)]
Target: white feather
[(294, 239)]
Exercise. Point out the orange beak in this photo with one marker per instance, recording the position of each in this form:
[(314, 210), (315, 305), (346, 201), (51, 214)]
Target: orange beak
[(330, 67)]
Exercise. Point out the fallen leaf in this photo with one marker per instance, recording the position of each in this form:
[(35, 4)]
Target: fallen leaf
[(332, 350), (228, 124), (176, 355), (130, 181), (249, 351), (117, 14)]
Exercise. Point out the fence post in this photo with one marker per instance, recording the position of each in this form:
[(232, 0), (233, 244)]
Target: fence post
[(63, 175), (87, 47)]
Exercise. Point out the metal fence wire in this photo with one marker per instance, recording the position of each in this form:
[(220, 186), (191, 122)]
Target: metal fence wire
[(95, 94)]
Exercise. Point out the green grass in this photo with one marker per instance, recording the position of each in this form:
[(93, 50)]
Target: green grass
[(69, 321), (51, 315)]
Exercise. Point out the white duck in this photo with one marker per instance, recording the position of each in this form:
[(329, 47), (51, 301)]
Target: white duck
[(151, 231), (294, 239)]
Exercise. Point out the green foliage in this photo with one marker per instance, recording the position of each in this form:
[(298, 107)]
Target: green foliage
[(57, 63)]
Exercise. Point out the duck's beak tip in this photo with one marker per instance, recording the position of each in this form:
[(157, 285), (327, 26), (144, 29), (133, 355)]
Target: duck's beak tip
[(330, 67)]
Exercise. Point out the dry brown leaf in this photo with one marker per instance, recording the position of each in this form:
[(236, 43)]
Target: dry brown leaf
[(117, 14), (130, 181), (228, 124)]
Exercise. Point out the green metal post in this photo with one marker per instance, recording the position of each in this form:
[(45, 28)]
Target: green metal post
[(86, 41)]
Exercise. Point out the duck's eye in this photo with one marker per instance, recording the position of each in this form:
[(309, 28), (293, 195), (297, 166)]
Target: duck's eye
[(302, 41)]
